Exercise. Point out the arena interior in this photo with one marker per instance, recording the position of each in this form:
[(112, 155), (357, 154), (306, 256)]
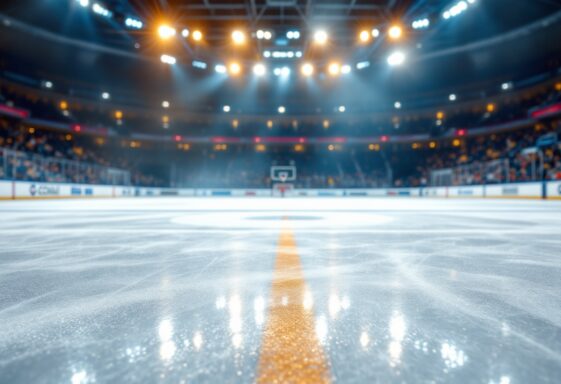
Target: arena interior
[(280, 191)]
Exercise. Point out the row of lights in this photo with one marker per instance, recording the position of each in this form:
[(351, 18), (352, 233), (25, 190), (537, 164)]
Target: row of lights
[(457, 9), (319, 37), (397, 58)]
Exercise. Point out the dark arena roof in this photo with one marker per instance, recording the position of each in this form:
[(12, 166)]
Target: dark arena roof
[(84, 53)]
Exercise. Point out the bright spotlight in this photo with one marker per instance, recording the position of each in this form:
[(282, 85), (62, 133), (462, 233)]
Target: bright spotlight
[(307, 69), (197, 35), (133, 23), (396, 58), (320, 37), (346, 69), (238, 37), (185, 33), (342, 108), (105, 96), (84, 3), (282, 71), (219, 68), (334, 69), (375, 32), (167, 59), (234, 68), (364, 36), (166, 32), (397, 105), (226, 108), (452, 97), (362, 64), (100, 10), (48, 84), (199, 64), (267, 35), (421, 23), (165, 104), (281, 109), (395, 32), (259, 69)]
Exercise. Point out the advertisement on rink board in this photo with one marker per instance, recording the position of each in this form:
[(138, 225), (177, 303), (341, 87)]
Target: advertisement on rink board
[(30, 190)]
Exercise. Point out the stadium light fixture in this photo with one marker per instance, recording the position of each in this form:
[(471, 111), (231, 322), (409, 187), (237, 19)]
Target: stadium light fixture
[(238, 37), (421, 23), (226, 108), (320, 37), (100, 10), (293, 35), (259, 70), (364, 36), (197, 35), (234, 68), (395, 59), (167, 59), (334, 69), (307, 69), (506, 86), (133, 23), (199, 64), (457, 9), (263, 35), (281, 109), (166, 32), (395, 32), (281, 71), (362, 65)]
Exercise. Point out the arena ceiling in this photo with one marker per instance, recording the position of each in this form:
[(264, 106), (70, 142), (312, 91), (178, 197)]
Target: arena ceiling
[(497, 40)]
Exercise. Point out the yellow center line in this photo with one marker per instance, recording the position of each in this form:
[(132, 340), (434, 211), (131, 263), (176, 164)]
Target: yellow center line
[(290, 349)]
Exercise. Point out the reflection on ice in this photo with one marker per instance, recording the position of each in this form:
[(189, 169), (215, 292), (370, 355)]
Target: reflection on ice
[(259, 308), (167, 346), (198, 340), (167, 350), (220, 302), (452, 356), (397, 334), (364, 339), (321, 329), (397, 327), (237, 340), (235, 310), (308, 300), (81, 377), (334, 305), (165, 330)]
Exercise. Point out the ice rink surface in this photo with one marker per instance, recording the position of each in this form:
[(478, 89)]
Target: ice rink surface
[(182, 290)]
